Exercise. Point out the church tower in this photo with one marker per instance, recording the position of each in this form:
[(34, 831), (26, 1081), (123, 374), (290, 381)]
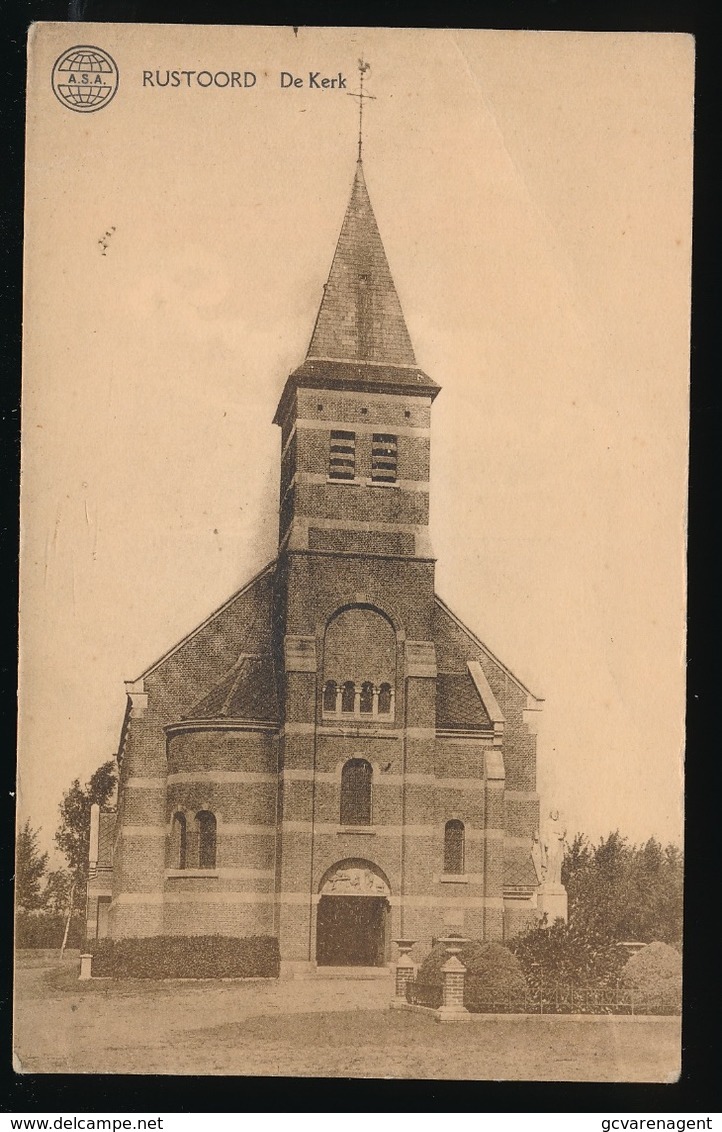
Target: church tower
[(355, 579)]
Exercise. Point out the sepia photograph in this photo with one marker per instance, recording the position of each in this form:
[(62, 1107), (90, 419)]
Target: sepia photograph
[(353, 538)]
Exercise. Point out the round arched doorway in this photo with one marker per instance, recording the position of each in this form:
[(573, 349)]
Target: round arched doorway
[(352, 919)]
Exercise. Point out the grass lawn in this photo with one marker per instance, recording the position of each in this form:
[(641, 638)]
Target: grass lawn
[(309, 1028)]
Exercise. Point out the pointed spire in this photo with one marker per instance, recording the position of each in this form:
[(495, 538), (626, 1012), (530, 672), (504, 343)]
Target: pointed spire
[(360, 340), (360, 318)]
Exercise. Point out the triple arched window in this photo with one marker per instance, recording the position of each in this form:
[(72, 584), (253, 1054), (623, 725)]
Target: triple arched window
[(454, 847), (359, 665), (356, 792), (195, 847), (365, 699)]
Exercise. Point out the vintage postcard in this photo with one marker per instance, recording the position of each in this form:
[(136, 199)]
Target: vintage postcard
[(355, 415)]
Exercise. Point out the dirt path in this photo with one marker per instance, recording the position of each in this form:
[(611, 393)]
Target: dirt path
[(74, 1022), (313, 1027)]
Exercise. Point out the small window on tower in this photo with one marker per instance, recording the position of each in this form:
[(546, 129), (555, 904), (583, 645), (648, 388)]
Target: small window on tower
[(342, 455), (383, 458)]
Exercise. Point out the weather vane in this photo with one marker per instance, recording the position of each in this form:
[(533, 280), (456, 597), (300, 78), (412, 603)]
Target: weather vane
[(363, 68)]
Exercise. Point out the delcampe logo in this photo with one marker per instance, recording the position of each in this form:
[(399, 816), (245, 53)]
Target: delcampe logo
[(85, 78)]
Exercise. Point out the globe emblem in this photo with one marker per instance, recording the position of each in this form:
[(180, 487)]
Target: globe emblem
[(85, 78)]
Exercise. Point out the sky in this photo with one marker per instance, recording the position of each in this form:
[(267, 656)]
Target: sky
[(533, 192)]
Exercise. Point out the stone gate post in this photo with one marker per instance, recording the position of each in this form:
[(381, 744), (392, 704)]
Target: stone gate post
[(405, 971), (453, 972)]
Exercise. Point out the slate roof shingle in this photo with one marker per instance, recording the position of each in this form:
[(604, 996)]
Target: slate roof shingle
[(360, 315), (458, 704), (247, 691)]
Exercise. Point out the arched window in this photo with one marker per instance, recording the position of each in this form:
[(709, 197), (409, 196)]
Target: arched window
[(356, 779), (385, 699), (348, 696), (367, 697), (329, 696), (454, 847), (178, 841), (206, 832)]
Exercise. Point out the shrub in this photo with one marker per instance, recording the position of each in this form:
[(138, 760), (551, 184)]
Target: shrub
[(194, 957), (567, 954), (46, 930), (493, 974), (654, 976)]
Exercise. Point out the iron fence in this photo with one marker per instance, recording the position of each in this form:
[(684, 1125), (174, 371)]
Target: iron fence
[(553, 999)]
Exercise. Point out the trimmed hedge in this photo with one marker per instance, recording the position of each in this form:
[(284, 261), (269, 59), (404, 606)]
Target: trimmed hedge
[(493, 973), (186, 957), (44, 930)]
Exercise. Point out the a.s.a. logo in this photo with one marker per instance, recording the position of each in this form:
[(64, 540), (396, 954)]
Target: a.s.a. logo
[(85, 78)]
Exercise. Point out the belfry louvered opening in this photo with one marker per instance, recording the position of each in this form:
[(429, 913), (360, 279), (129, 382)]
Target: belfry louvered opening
[(383, 458), (342, 455)]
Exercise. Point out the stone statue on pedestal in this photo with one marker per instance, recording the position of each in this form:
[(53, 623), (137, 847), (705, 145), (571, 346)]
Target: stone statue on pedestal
[(554, 849), (548, 854)]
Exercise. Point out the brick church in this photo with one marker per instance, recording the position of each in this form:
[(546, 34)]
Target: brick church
[(332, 757)]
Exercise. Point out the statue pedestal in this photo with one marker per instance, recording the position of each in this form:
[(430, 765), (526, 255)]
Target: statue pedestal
[(552, 899)]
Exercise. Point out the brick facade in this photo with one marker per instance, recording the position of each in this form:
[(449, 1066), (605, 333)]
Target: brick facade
[(335, 683)]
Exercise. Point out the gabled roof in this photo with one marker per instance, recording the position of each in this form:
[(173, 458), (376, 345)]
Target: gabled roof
[(225, 667), (360, 317), (444, 609), (199, 629)]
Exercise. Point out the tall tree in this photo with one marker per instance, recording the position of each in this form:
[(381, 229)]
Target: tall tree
[(617, 892), (57, 891), (73, 834), (30, 868), (624, 891)]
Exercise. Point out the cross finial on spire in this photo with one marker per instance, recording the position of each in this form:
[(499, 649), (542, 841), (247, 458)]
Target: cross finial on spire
[(363, 67)]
